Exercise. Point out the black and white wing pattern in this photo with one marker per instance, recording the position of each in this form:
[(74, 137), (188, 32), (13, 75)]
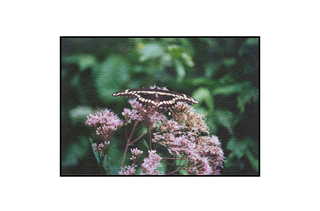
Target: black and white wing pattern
[(158, 98)]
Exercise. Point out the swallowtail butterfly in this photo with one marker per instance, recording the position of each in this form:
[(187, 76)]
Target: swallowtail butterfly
[(157, 97)]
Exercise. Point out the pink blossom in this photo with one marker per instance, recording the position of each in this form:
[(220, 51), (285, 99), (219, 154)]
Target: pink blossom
[(135, 154), (108, 120), (126, 112), (151, 163), (127, 170), (101, 147)]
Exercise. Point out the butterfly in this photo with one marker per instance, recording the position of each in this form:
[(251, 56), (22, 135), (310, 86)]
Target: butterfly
[(156, 97)]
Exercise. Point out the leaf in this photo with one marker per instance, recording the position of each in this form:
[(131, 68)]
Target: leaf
[(150, 51), (212, 68), (145, 144), (228, 89), (203, 95), (254, 162), (75, 152), (226, 118), (86, 61), (229, 62), (83, 61), (79, 114), (247, 95), (181, 73), (245, 48), (240, 149), (232, 144), (228, 162), (175, 51), (166, 60), (109, 77), (187, 58)]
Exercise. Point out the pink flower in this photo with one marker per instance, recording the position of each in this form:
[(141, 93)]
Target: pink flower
[(127, 170), (151, 163), (135, 104), (126, 112), (108, 120), (135, 154)]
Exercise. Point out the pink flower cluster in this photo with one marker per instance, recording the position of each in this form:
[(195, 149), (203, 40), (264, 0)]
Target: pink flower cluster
[(184, 134), (104, 123), (101, 147), (150, 164), (135, 154), (127, 170), (150, 115), (181, 136)]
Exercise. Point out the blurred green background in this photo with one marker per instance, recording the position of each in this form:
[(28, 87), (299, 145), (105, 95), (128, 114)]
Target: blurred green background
[(221, 73)]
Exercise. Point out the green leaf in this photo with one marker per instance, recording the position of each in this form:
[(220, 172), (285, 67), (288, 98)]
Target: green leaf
[(150, 51), (212, 68), (83, 61), (254, 162), (79, 114), (75, 152), (228, 162), (240, 149), (203, 95), (229, 62), (179, 52), (232, 144), (145, 144), (109, 77), (226, 118), (228, 89), (181, 73), (175, 51), (166, 60), (246, 96), (187, 58), (245, 47)]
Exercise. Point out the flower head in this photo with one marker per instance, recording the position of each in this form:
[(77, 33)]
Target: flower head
[(135, 154), (127, 170), (183, 137), (151, 163), (104, 123)]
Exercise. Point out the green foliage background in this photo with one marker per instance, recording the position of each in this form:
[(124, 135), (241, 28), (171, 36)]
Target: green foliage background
[(221, 73)]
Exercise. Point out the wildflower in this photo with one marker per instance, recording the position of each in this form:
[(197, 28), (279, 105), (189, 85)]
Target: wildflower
[(182, 137), (135, 154), (151, 163), (127, 170), (126, 112), (107, 121)]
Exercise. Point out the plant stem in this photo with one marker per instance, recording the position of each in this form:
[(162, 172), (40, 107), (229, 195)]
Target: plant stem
[(173, 171), (137, 138), (128, 143), (149, 130)]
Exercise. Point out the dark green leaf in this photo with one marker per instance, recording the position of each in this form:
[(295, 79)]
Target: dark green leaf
[(254, 162), (247, 95), (226, 118), (75, 152)]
